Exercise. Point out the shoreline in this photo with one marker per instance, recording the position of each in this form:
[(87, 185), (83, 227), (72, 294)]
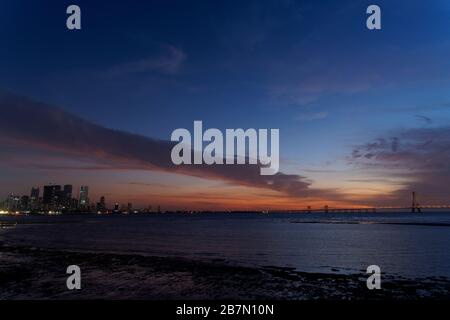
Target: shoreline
[(28, 272)]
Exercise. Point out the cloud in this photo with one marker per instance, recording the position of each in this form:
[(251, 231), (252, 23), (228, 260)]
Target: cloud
[(420, 156), (30, 124), (168, 61), (424, 119)]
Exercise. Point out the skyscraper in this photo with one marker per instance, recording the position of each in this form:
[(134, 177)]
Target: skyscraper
[(101, 206), (84, 196), (67, 195), (12, 202), (51, 197), (34, 198), (34, 193), (25, 203), (68, 191)]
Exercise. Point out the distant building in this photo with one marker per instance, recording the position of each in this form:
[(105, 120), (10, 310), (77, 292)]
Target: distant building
[(68, 190), (67, 195), (25, 203), (72, 204), (34, 193), (34, 198), (51, 197), (84, 196), (12, 202), (101, 206)]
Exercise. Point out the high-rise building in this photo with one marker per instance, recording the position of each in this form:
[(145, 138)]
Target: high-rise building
[(101, 206), (66, 196), (34, 193), (51, 196), (67, 192), (13, 202), (34, 198), (84, 196), (25, 203)]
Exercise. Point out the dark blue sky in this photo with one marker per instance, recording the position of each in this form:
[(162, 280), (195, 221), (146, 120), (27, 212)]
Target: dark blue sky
[(310, 68)]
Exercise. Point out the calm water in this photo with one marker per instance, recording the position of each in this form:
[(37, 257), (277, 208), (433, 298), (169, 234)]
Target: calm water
[(418, 246)]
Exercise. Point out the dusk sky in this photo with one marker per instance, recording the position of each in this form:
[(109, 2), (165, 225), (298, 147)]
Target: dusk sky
[(364, 115)]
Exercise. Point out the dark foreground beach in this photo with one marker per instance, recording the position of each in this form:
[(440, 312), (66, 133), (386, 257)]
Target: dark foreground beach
[(226, 256), (35, 273)]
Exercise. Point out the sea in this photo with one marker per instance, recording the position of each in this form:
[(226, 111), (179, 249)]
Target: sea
[(401, 244)]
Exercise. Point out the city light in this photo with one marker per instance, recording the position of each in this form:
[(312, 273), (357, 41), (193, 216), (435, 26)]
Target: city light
[(57, 199)]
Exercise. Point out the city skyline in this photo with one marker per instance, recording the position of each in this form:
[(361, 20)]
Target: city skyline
[(363, 115), (57, 198)]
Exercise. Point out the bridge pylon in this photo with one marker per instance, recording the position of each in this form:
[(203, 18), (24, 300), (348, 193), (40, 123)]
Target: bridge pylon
[(415, 204)]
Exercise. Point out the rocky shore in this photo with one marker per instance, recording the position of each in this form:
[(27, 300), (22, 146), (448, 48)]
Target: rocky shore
[(36, 273)]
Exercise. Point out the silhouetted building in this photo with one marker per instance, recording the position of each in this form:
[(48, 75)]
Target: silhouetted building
[(12, 202), (101, 206), (34, 193), (51, 196), (25, 203), (73, 203), (84, 196), (66, 195), (34, 198)]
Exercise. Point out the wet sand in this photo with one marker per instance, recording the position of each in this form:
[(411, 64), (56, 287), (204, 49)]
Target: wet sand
[(35, 273)]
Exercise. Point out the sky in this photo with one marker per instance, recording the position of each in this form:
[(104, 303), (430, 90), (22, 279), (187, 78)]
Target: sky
[(364, 115)]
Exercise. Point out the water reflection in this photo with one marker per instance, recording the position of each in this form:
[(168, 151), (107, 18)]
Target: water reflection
[(410, 245)]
